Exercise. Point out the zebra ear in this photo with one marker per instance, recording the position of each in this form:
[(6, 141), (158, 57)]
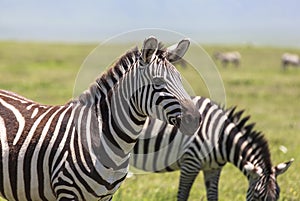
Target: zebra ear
[(149, 47), (253, 171), (282, 167), (177, 51)]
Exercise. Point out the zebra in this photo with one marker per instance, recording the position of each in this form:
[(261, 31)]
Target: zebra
[(223, 136), (228, 57), (80, 150), (290, 59)]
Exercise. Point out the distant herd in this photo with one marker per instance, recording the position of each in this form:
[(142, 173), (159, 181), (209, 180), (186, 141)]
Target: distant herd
[(234, 57)]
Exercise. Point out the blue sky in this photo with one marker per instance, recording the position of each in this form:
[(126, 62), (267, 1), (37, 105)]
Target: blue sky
[(269, 22)]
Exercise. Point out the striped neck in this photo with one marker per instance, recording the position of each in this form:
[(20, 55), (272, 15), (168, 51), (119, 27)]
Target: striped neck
[(247, 145), (104, 129)]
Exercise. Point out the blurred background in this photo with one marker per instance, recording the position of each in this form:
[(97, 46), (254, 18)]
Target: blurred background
[(270, 22)]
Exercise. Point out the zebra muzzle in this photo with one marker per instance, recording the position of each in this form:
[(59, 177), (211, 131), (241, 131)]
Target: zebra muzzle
[(190, 118), (190, 124)]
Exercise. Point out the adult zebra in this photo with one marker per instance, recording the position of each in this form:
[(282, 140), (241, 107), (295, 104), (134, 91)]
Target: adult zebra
[(222, 137), (228, 57), (289, 59), (80, 151)]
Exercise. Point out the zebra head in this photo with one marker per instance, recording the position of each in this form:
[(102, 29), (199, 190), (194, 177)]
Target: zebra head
[(264, 186), (167, 100)]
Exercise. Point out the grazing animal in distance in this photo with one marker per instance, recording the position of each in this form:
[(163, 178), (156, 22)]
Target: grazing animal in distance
[(290, 59), (81, 150), (224, 136), (228, 57)]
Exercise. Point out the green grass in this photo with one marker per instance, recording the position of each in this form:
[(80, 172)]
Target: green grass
[(46, 73)]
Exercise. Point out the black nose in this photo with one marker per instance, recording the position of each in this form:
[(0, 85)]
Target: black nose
[(190, 113), (190, 123)]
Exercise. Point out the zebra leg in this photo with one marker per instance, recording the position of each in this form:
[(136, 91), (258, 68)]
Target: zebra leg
[(284, 65), (211, 178), (236, 63), (224, 62), (188, 174)]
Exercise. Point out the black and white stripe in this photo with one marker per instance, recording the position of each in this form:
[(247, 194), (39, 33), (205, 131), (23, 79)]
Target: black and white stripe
[(224, 136), (80, 151)]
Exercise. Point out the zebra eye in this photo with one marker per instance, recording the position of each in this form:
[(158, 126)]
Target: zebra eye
[(159, 81)]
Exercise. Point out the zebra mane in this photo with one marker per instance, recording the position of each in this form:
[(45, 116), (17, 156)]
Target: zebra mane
[(256, 138), (124, 64), (161, 50), (107, 80), (119, 68)]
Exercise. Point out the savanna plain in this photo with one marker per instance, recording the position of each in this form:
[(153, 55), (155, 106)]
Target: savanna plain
[(46, 73)]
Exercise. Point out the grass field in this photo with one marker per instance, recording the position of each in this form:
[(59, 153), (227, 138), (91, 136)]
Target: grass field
[(46, 73)]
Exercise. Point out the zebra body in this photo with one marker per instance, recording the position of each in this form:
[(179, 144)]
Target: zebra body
[(228, 57), (222, 137), (80, 151), (290, 59)]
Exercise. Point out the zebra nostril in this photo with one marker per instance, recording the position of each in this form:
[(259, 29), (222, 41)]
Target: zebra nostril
[(178, 120), (173, 121)]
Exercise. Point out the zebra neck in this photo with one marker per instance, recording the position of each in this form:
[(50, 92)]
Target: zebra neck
[(250, 147), (119, 128), (113, 129), (101, 137), (110, 119), (124, 113)]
